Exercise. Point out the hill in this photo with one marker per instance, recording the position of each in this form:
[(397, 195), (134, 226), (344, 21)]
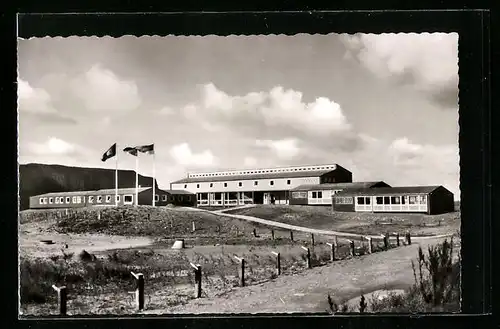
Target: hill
[(37, 179)]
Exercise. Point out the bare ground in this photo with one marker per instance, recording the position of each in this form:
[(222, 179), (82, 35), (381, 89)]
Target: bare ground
[(307, 291), (32, 234)]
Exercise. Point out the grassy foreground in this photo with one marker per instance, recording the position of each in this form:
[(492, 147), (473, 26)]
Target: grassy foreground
[(436, 287), (100, 284)]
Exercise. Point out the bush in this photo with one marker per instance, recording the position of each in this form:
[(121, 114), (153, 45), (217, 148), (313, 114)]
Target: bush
[(435, 280), (436, 287)]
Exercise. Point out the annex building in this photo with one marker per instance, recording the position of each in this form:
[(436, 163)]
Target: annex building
[(257, 186), (126, 196)]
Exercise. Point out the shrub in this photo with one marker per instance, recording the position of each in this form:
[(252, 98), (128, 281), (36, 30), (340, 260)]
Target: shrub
[(435, 280)]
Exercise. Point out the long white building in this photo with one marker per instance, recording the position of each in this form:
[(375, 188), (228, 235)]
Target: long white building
[(257, 186)]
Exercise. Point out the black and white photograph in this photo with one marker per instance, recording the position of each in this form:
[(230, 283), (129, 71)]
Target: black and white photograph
[(302, 173)]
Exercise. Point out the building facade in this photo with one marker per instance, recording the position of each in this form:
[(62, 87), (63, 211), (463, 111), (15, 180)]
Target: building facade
[(321, 194), (430, 200), (257, 186), (126, 196)]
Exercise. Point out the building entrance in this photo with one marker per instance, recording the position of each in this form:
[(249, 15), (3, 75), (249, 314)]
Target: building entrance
[(258, 197)]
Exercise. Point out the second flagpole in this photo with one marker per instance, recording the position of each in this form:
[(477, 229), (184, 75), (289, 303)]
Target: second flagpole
[(137, 179), (116, 176), (154, 181)]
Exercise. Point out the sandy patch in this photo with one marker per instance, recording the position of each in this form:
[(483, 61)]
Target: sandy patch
[(32, 235)]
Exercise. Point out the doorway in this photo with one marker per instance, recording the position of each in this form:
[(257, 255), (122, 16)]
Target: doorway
[(258, 197)]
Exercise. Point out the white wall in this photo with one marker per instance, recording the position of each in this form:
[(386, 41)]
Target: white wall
[(280, 184)]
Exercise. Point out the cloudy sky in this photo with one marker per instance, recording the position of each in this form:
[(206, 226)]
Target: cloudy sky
[(383, 106)]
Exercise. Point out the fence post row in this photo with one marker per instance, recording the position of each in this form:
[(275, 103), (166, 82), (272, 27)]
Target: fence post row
[(139, 292), (278, 262), (397, 238), (197, 280), (332, 251), (370, 245), (386, 242), (242, 270), (308, 256), (62, 298), (408, 238), (291, 235), (351, 248)]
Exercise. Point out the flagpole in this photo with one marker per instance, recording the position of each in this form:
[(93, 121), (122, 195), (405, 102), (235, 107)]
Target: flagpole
[(116, 177), (154, 180), (137, 179)]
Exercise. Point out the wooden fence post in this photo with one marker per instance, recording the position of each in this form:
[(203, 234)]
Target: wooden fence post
[(408, 238), (397, 239), (62, 298), (308, 257), (99, 215), (255, 232), (291, 235), (272, 234), (370, 245), (194, 227), (197, 280), (386, 242), (278, 262), (332, 251), (312, 239), (242, 271), (139, 292), (352, 248)]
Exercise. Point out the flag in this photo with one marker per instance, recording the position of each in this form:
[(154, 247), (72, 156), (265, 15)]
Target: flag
[(131, 150), (111, 152), (149, 149)]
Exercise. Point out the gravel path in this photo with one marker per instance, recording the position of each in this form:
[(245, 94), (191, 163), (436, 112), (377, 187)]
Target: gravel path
[(307, 291)]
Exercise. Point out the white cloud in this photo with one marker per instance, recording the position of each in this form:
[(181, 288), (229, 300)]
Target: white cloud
[(284, 149), (53, 146), (278, 108), (183, 155), (34, 100), (102, 90), (428, 61)]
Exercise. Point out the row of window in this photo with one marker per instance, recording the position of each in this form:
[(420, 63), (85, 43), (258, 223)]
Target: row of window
[(261, 171), (127, 199), (344, 200), (240, 184), (393, 200)]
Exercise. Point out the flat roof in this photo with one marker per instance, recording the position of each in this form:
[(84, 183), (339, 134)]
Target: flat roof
[(127, 190), (334, 186), (92, 192), (293, 174), (398, 190)]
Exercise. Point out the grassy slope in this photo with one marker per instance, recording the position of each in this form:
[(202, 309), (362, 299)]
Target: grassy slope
[(323, 218)]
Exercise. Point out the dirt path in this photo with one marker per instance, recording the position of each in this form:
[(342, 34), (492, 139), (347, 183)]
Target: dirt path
[(344, 235), (31, 236), (307, 291)]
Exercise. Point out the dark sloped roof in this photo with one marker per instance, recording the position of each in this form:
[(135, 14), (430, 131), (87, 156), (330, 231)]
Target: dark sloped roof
[(398, 190), (294, 174), (335, 186)]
